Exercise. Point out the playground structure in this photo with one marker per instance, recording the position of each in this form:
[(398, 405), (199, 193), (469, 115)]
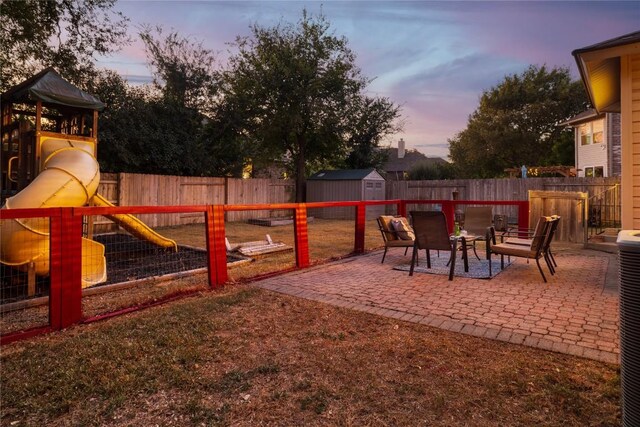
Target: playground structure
[(49, 150)]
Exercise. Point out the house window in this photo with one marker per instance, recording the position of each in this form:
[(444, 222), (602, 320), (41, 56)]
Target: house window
[(594, 172), (592, 133)]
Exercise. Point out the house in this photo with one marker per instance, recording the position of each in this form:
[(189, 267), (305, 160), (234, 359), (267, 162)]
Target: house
[(610, 71), (345, 185), (400, 161), (597, 143)]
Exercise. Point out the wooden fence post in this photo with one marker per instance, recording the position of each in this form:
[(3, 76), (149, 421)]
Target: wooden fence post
[(361, 211), (448, 208), (216, 246), (55, 270), (523, 215), (402, 208), (70, 238), (301, 236)]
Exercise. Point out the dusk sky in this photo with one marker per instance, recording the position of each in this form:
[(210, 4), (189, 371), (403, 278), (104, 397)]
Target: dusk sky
[(432, 58)]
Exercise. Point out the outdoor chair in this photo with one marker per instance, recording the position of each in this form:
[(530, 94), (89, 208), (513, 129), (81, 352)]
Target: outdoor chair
[(396, 233), (508, 237), (476, 221), (430, 228), (534, 250)]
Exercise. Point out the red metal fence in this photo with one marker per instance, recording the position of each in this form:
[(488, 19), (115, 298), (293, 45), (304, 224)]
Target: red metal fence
[(66, 230)]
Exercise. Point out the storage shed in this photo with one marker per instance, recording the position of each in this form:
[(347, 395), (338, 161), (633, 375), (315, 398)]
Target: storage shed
[(345, 185)]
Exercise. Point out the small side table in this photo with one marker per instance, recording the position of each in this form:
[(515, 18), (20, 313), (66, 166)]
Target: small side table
[(464, 242)]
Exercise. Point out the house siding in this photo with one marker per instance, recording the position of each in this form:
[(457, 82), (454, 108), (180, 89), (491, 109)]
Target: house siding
[(593, 154), (630, 129), (613, 136), (634, 69)]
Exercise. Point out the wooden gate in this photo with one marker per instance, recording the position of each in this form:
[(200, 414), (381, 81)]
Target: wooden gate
[(570, 205)]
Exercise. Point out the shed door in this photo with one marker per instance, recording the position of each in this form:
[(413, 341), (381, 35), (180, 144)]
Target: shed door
[(374, 190)]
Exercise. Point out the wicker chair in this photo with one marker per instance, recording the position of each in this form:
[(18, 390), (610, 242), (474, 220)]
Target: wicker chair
[(431, 232)]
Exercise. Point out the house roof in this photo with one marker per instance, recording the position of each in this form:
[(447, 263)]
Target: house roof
[(584, 117), (346, 175), (48, 87), (410, 159), (618, 41), (599, 66)]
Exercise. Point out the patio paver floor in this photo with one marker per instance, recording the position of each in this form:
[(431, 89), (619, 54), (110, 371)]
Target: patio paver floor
[(575, 313)]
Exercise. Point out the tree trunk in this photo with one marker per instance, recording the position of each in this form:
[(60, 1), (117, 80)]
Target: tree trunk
[(301, 171)]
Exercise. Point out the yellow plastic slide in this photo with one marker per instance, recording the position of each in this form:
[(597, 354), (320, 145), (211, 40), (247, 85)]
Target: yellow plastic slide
[(69, 178), (134, 226)]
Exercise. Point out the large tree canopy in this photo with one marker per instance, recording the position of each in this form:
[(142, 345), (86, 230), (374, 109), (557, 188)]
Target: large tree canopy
[(516, 124), (66, 34), (292, 91), (183, 69), (164, 128)]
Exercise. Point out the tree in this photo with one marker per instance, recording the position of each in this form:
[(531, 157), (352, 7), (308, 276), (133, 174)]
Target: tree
[(516, 124), (67, 34), (183, 69), (431, 171), (167, 128), (371, 120), (289, 93)]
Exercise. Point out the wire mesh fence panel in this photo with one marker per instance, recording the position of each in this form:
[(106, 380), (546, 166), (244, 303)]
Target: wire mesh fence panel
[(261, 248), (331, 238), (137, 265), (24, 274)]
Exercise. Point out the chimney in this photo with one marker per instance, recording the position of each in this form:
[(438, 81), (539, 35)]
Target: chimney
[(401, 149)]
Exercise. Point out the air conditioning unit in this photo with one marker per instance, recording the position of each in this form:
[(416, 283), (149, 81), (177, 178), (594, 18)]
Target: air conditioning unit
[(629, 250)]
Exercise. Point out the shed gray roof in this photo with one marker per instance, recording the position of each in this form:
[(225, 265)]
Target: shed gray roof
[(346, 175)]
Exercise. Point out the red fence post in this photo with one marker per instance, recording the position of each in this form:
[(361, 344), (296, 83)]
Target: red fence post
[(523, 214), (70, 267), (55, 270), (216, 246), (402, 208), (361, 217), (449, 210), (301, 236)]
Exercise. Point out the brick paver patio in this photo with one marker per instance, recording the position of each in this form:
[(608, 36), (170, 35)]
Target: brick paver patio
[(574, 313)]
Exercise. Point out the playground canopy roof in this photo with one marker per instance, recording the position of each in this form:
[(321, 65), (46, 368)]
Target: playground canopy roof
[(47, 86)]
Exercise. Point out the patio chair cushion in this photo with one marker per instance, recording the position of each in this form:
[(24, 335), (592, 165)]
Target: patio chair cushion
[(387, 228), (403, 229), (513, 250)]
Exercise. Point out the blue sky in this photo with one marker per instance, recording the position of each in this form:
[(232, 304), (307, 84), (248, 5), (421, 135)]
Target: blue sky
[(433, 58)]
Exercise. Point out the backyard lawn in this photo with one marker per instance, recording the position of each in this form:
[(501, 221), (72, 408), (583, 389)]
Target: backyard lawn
[(243, 356), (327, 239)]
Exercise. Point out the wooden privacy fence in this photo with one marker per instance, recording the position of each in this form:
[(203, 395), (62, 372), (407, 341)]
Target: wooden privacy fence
[(571, 206), (127, 189), (499, 189)]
